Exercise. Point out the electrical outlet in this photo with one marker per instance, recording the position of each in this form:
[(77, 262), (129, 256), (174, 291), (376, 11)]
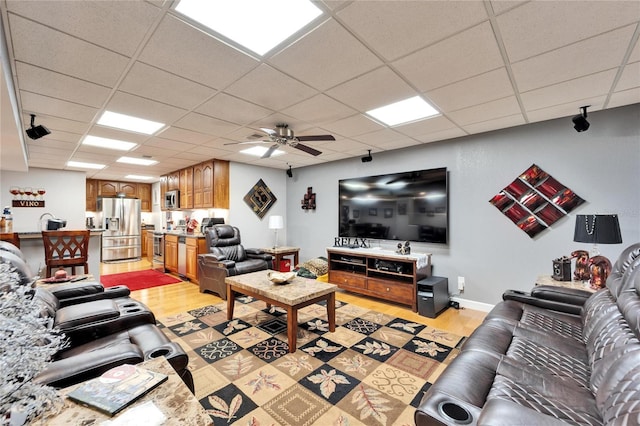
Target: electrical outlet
[(461, 283)]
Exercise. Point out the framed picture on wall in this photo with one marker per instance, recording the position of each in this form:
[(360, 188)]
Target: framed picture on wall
[(373, 212), (388, 213)]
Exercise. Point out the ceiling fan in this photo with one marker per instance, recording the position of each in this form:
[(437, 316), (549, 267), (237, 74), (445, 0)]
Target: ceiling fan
[(283, 135)]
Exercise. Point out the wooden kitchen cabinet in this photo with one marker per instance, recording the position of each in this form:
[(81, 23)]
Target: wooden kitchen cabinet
[(195, 246), (149, 243), (144, 194), (173, 181), (92, 195), (108, 188), (186, 188), (220, 184), (202, 174), (171, 253), (143, 243)]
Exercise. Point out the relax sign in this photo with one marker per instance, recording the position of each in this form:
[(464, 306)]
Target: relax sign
[(350, 242)]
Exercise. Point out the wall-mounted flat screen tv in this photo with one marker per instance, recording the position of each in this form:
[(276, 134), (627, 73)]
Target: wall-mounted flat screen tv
[(407, 206)]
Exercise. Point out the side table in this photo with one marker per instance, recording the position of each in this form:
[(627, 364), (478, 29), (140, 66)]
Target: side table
[(279, 252), (548, 280)]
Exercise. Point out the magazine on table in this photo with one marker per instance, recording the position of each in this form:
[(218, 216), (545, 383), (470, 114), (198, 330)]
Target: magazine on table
[(117, 388)]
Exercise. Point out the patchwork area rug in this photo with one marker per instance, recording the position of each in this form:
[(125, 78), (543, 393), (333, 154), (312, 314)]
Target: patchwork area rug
[(373, 370), (138, 280)]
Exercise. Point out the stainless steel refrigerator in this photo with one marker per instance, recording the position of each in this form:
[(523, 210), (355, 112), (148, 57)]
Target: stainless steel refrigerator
[(120, 219)]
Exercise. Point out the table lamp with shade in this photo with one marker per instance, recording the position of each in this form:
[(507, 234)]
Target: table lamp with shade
[(598, 229), (276, 222)]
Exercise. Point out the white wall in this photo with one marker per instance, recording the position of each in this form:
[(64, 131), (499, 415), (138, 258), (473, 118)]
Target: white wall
[(601, 165), (65, 197), (254, 231)]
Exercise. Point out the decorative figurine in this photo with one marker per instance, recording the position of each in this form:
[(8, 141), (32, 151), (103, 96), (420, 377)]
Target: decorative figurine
[(404, 248), (600, 269), (581, 272)]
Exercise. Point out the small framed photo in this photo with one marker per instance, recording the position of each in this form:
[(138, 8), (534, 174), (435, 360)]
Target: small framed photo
[(373, 212), (402, 209), (388, 213), (356, 213)]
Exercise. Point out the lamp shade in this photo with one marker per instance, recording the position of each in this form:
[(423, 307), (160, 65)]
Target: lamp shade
[(597, 229), (276, 222)]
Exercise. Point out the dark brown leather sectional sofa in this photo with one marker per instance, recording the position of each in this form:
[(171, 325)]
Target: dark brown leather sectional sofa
[(532, 362)]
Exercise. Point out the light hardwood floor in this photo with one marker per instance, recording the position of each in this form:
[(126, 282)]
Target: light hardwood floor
[(175, 298)]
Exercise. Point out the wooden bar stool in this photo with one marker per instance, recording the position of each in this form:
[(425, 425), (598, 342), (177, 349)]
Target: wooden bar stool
[(66, 249), (11, 237)]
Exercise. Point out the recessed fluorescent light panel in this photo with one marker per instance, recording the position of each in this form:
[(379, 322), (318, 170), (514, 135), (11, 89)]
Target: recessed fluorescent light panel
[(138, 177), (258, 25), (259, 151), (129, 123), (137, 161), (82, 165), (108, 143), (408, 110)]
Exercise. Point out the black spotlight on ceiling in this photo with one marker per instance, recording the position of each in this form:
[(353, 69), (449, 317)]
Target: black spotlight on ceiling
[(580, 122), (36, 132), (367, 158), (290, 172)]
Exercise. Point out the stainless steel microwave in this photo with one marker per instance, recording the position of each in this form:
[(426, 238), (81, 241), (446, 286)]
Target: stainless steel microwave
[(172, 200)]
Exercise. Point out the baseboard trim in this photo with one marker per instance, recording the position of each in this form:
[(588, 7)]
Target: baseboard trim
[(471, 304)]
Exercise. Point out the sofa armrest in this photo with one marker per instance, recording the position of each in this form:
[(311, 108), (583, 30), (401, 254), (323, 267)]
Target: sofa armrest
[(573, 296), (71, 317), (70, 290), (107, 293), (215, 261), (87, 365), (523, 297)]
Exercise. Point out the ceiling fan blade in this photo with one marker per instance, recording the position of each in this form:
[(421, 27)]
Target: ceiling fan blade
[(270, 151), (307, 149), (316, 138)]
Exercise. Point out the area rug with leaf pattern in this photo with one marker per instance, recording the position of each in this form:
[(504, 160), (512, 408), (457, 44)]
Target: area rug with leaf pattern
[(373, 370)]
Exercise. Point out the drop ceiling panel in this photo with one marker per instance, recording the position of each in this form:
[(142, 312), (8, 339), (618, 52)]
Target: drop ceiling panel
[(124, 103), (565, 110), (470, 53), (57, 125), (104, 23), (421, 128), (573, 61), (455, 132), (317, 60), (183, 135), (40, 46), (186, 51), (396, 31), (232, 109), (501, 6), (498, 123), (270, 88), (630, 77), (110, 133), (168, 144), (55, 85), (596, 84), (355, 125), (150, 82), (380, 137), (205, 124), (635, 53), (473, 91), (541, 26), (319, 109), (52, 143), (61, 135), (56, 107), (626, 97), (372, 90), (487, 111)]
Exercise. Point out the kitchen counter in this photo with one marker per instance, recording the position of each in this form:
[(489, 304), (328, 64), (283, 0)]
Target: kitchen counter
[(184, 234), (33, 250)]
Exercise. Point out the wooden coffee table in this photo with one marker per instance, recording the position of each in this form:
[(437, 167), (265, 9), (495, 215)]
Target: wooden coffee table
[(296, 294)]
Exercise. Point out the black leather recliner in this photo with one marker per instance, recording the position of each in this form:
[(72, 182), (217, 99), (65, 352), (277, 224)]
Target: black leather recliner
[(227, 257)]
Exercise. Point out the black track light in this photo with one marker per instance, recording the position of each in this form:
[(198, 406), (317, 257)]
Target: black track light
[(36, 132), (367, 158), (290, 172), (580, 122)]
